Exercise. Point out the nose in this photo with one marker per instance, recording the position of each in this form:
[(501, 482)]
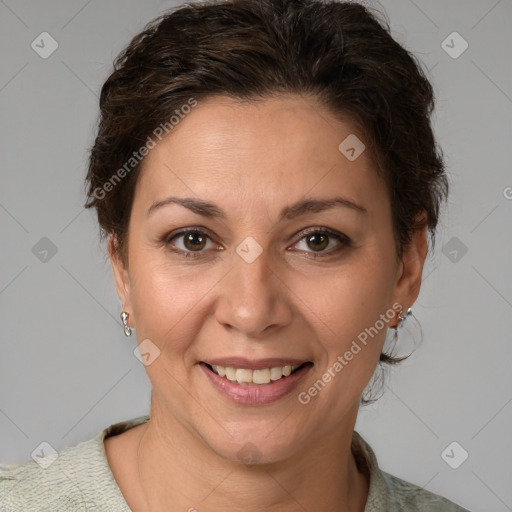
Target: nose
[(254, 299)]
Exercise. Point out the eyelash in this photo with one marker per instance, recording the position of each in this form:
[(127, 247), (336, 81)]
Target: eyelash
[(340, 237)]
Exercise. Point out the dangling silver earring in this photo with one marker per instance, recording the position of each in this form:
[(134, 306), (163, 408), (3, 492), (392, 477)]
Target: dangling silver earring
[(401, 319), (124, 318)]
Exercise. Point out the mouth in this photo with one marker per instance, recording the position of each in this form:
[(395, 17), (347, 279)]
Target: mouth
[(255, 383), (260, 376)]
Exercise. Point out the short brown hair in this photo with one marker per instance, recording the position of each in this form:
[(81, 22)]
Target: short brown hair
[(339, 52)]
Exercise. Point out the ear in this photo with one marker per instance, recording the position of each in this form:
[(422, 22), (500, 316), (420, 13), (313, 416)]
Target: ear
[(121, 276), (410, 270)]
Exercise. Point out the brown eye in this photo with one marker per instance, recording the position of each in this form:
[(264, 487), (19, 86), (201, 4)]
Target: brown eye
[(194, 241), (189, 243), (317, 241)]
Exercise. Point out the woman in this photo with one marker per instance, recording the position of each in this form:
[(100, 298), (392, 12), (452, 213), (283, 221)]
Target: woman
[(267, 178)]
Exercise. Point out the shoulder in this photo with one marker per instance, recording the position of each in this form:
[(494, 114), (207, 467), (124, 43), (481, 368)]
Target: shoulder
[(54, 482), (390, 493), (77, 479), (409, 497)]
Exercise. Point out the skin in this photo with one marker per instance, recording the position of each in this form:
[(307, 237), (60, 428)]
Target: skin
[(252, 160)]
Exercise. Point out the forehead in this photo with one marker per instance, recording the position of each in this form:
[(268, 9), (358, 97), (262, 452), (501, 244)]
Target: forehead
[(273, 150)]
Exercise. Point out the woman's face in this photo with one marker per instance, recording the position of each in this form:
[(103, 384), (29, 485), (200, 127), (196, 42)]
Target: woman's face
[(284, 255)]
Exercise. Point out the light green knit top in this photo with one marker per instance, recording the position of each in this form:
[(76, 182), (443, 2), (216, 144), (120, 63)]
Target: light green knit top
[(80, 479)]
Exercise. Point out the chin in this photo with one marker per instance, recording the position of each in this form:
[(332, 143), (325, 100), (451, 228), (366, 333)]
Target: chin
[(252, 443)]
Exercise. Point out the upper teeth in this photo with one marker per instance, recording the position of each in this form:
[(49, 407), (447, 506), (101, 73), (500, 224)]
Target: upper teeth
[(262, 376)]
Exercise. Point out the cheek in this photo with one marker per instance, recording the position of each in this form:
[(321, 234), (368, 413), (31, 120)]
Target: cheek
[(344, 302), (355, 315), (166, 299), (352, 312)]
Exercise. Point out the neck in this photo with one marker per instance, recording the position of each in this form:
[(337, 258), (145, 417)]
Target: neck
[(178, 471)]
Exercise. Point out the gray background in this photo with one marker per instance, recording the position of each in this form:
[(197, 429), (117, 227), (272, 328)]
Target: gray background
[(66, 369)]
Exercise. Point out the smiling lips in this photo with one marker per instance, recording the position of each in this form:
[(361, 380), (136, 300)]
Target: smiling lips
[(246, 376), (259, 372), (255, 383)]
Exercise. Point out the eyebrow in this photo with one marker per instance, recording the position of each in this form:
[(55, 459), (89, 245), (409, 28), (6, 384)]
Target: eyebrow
[(212, 211)]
